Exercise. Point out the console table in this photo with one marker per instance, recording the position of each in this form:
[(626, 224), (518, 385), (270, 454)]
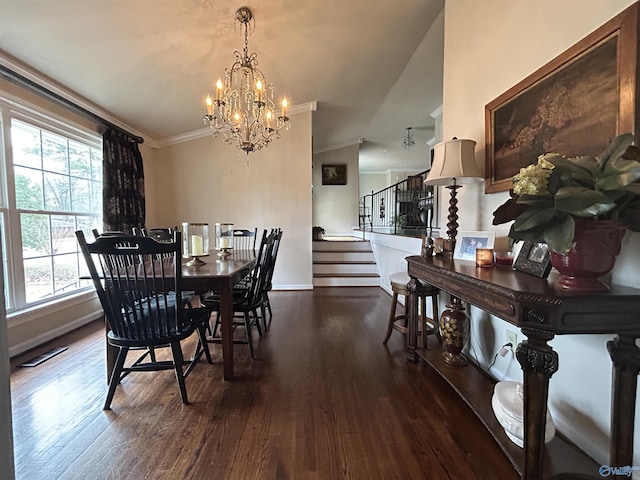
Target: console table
[(541, 312)]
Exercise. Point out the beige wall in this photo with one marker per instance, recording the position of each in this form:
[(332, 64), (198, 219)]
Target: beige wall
[(489, 47), (205, 180), (335, 207)]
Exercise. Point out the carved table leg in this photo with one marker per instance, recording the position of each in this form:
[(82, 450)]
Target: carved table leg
[(625, 356), (539, 362), (412, 337)]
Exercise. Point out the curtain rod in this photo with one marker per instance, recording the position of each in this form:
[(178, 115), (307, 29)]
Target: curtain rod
[(32, 86)]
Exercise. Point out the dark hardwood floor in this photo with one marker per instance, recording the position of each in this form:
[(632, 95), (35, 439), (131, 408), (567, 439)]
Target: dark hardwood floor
[(323, 400)]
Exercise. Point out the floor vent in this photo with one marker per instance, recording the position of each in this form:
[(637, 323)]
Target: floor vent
[(34, 362)]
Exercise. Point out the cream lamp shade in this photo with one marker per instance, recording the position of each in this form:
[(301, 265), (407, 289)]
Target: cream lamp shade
[(454, 161), (454, 164)]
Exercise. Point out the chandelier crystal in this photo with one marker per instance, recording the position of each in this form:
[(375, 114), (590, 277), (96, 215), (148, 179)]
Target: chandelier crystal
[(408, 143), (243, 110)]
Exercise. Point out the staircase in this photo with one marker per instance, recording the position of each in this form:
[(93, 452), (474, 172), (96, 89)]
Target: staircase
[(339, 263)]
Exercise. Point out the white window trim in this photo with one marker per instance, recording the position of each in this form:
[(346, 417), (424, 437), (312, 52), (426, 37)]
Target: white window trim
[(12, 107)]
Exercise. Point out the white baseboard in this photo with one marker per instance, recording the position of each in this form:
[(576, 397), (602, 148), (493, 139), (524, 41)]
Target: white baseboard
[(51, 334)]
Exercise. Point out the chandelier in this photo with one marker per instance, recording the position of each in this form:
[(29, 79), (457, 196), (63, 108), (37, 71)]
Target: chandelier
[(407, 142), (243, 111)]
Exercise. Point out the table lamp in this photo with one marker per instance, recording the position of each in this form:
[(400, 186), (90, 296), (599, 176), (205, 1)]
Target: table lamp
[(454, 164)]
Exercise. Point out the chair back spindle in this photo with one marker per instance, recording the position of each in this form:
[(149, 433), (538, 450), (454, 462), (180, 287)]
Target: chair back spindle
[(245, 239)]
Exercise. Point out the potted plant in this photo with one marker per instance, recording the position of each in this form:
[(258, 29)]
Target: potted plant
[(399, 220), (318, 232), (559, 200)]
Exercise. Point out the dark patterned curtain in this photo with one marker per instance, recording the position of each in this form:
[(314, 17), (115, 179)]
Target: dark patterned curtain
[(123, 182)]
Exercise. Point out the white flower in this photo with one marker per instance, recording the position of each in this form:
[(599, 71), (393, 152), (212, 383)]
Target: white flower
[(533, 179)]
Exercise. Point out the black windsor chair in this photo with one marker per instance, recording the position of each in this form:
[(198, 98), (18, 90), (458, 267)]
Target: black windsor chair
[(138, 280), (246, 301)]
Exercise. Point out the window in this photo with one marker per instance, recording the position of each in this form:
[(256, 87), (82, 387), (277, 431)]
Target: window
[(53, 187)]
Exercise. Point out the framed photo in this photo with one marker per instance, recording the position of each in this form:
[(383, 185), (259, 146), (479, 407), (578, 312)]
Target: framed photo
[(534, 259), (334, 174), (467, 242), (573, 105)]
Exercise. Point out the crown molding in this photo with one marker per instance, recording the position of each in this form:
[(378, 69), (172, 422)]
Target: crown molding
[(56, 88), (206, 131), (335, 146)]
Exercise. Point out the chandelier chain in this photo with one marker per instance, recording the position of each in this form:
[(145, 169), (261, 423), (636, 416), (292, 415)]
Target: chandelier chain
[(243, 110)]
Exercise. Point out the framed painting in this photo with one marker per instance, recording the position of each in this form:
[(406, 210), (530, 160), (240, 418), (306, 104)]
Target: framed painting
[(534, 259), (573, 105), (467, 242), (334, 174)]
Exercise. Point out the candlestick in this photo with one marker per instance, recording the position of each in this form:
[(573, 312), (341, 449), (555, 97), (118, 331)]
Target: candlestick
[(209, 103)]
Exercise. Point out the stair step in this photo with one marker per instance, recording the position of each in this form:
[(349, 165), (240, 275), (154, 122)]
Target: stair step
[(344, 262), (346, 275), (331, 246), (339, 256), (346, 281), (346, 268)]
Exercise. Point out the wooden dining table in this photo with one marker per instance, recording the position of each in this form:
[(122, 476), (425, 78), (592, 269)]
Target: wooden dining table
[(221, 274), (217, 273)]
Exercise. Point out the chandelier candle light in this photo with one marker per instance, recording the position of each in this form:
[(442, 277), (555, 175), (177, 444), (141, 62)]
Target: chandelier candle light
[(243, 110)]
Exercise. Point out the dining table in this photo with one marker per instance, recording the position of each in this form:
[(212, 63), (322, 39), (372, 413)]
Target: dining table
[(216, 273)]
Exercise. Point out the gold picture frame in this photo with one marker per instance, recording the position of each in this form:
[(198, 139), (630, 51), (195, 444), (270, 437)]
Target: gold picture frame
[(574, 105)]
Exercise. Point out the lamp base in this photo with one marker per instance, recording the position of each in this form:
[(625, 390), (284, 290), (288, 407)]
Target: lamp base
[(448, 246), (452, 224), (454, 329)]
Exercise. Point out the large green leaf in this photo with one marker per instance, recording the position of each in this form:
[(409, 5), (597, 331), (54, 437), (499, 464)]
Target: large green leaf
[(534, 217), (572, 172), (540, 201), (533, 235), (582, 201), (559, 235), (588, 163), (615, 149), (633, 188), (619, 173)]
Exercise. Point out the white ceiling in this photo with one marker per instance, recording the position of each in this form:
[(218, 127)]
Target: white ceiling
[(149, 64)]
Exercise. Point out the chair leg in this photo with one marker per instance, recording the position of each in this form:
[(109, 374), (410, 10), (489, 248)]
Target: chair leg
[(257, 320), (268, 305), (392, 316), (216, 324), (263, 314), (115, 376), (202, 334), (247, 323), (177, 362)]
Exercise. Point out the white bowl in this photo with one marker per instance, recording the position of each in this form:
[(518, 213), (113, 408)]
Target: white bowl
[(507, 403)]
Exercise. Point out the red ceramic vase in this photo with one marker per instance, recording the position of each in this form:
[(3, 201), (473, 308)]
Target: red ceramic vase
[(596, 244)]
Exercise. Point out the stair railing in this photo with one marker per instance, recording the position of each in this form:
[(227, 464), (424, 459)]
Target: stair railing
[(408, 207)]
